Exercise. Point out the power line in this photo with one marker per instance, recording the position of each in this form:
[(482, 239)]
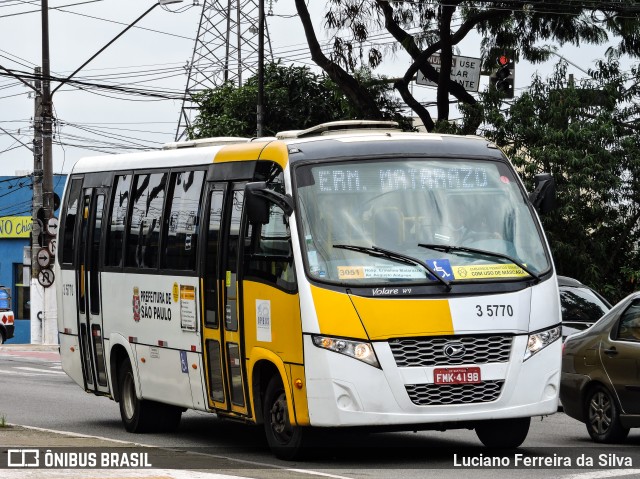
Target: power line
[(125, 24), (50, 8)]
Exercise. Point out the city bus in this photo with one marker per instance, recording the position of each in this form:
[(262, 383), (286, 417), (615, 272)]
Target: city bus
[(344, 276)]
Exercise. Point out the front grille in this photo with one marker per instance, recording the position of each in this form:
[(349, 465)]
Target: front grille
[(421, 352), (451, 394)]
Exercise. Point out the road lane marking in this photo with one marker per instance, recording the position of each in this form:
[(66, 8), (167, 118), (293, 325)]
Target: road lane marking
[(45, 371), (17, 373), (603, 474)]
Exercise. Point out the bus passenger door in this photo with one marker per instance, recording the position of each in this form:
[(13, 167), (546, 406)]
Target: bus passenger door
[(88, 290), (226, 378)]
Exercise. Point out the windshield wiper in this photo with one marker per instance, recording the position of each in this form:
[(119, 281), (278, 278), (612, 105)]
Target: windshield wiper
[(464, 249), (393, 255)]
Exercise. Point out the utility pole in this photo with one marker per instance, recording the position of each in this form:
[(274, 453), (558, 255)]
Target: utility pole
[(43, 301), (47, 120), (36, 228)]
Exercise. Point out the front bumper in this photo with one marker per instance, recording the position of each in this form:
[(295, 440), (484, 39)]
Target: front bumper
[(8, 330), (342, 391)]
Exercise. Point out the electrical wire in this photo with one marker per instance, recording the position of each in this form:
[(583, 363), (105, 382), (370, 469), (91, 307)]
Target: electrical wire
[(50, 8), (126, 24)]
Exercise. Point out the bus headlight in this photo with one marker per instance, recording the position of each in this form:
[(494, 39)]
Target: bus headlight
[(540, 340), (359, 350)]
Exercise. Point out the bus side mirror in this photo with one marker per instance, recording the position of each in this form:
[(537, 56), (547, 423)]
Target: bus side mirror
[(543, 197), (258, 199)]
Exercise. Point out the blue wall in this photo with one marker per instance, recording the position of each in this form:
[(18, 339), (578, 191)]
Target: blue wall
[(22, 333), (16, 195)]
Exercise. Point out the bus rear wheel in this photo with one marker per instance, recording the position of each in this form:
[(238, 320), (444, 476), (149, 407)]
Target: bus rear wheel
[(136, 414), (503, 433), (139, 415), (284, 439)]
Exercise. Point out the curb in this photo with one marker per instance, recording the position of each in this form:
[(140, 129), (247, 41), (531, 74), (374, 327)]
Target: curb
[(30, 347)]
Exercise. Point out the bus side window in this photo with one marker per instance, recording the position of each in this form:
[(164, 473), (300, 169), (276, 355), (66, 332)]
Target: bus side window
[(182, 229), (268, 252), (143, 240), (117, 221), (211, 266), (70, 215)]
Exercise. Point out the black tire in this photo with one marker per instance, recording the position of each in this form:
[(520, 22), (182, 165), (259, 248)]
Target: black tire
[(170, 417), (503, 433), (603, 417), (137, 415), (284, 439), (1, 338)]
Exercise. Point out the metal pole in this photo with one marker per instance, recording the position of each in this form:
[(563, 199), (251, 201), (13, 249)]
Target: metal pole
[(260, 107), (47, 121), (37, 173), (227, 43), (239, 29), (41, 300)]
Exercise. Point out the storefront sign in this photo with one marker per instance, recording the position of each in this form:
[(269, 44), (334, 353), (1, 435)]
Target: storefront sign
[(15, 226)]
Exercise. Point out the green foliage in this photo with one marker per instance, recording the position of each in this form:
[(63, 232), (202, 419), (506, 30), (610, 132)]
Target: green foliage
[(588, 137), (295, 98), (531, 29)]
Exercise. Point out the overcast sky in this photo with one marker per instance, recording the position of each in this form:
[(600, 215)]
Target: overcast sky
[(108, 121)]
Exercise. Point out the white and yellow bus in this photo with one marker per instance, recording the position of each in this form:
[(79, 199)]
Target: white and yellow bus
[(342, 276)]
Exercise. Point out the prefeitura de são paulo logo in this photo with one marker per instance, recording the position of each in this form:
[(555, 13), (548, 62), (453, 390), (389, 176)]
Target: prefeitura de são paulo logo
[(136, 304)]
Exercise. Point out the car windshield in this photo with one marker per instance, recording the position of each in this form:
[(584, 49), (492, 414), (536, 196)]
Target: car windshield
[(444, 213)]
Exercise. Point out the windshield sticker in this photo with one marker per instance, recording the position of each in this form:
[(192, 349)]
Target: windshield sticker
[(483, 271), (379, 272), (442, 267), (312, 256)]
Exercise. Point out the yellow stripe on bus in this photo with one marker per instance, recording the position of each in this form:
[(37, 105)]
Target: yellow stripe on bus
[(336, 315), (277, 152), (393, 318), (239, 152)]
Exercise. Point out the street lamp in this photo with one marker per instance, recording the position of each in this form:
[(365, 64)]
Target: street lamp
[(43, 206)]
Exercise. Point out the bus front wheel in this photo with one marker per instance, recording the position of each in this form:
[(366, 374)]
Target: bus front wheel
[(285, 440), (503, 433)]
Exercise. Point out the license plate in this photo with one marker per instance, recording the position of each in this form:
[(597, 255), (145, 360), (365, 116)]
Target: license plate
[(456, 375)]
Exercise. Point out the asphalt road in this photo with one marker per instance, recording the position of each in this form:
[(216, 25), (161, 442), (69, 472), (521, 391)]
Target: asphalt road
[(38, 393)]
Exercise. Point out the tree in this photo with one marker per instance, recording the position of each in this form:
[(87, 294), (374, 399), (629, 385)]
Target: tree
[(295, 98), (425, 27), (588, 137)]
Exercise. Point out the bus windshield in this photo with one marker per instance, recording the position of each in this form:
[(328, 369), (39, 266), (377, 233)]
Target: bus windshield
[(467, 220)]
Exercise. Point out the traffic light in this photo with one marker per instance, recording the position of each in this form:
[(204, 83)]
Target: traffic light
[(503, 78)]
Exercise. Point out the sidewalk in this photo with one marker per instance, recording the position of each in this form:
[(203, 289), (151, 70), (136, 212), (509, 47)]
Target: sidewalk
[(46, 352)]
